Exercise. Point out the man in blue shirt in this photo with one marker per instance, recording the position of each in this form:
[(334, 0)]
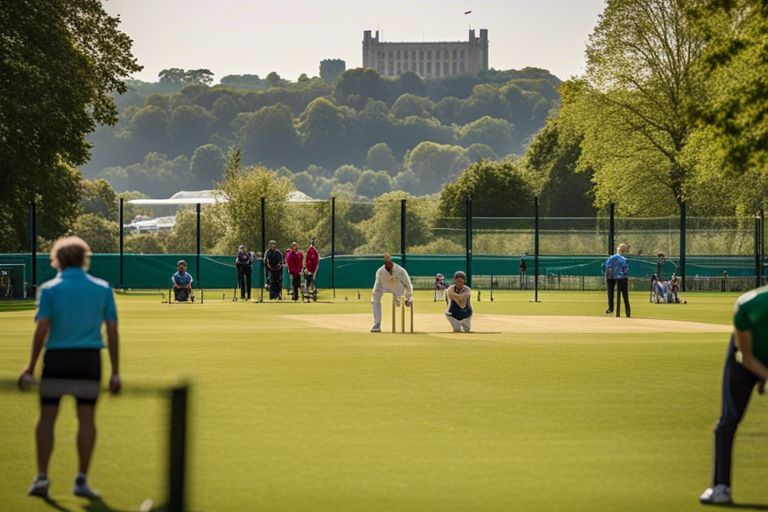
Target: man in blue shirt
[(70, 311), (617, 276), (182, 282)]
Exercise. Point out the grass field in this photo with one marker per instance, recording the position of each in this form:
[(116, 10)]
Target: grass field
[(290, 415)]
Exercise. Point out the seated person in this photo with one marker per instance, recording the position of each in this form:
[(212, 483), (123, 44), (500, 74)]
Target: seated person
[(439, 286), (458, 296), (182, 282)]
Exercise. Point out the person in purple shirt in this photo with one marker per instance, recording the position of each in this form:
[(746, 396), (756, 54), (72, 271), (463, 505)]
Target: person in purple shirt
[(71, 309), (617, 276)]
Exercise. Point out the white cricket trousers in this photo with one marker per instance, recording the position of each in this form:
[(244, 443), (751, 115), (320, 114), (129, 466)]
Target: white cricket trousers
[(458, 325)]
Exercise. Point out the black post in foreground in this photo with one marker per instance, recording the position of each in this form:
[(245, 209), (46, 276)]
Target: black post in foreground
[(178, 449), (762, 246), (402, 233), (121, 284), (33, 245), (682, 244), (758, 243), (262, 269), (333, 245), (536, 249), (612, 230), (468, 230), (197, 255)]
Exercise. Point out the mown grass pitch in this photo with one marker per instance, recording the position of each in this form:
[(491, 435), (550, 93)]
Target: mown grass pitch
[(287, 415)]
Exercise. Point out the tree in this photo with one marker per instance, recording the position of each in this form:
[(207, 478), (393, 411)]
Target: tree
[(324, 132), (273, 79), (98, 198), (269, 136), (147, 131), (386, 213), (476, 152), (100, 233), (496, 133), (435, 164), (498, 189), (207, 166), (189, 127), (61, 63), (372, 184), (410, 105), (736, 110), (198, 76), (641, 85), (381, 158), (347, 174), (363, 82), (172, 76), (331, 69)]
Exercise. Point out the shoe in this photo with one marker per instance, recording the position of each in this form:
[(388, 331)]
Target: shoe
[(376, 328), (82, 489), (39, 487), (608, 311), (717, 495)]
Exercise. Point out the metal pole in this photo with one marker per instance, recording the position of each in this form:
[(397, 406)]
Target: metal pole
[(762, 246), (262, 268), (402, 233), (536, 249), (197, 255), (33, 243), (468, 235), (757, 251), (178, 449), (612, 230), (333, 245), (122, 245), (682, 244)]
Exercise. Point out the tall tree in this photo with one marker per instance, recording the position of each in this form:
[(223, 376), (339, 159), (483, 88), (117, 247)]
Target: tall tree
[(61, 62), (640, 87)]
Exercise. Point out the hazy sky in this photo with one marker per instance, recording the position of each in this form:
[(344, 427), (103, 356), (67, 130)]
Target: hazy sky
[(292, 37)]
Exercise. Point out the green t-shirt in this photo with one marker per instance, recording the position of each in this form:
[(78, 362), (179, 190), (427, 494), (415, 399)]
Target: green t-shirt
[(751, 314)]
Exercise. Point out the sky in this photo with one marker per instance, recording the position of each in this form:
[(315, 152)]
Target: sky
[(292, 37)]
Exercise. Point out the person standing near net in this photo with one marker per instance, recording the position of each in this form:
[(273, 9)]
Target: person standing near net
[(70, 311), (294, 259), (458, 296), (746, 365), (273, 260), (617, 276), (394, 279), (312, 264), (244, 264)]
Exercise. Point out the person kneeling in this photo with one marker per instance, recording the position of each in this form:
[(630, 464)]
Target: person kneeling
[(182, 283), (458, 296)]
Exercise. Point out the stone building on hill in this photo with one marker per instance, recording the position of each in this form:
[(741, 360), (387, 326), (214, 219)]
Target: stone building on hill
[(426, 59)]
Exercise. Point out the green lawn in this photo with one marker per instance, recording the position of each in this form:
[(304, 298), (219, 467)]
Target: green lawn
[(290, 417)]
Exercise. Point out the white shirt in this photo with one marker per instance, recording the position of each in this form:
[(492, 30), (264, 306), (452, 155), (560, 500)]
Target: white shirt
[(397, 282)]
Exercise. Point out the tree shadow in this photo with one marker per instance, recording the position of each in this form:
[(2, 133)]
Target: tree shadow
[(748, 506)]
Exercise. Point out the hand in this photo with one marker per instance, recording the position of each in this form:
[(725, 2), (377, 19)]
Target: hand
[(114, 384), (409, 302), (761, 387), (25, 379)]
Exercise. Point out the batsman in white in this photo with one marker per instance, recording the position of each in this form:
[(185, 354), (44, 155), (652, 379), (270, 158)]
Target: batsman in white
[(394, 279)]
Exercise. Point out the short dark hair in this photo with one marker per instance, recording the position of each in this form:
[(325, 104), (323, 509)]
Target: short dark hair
[(70, 252)]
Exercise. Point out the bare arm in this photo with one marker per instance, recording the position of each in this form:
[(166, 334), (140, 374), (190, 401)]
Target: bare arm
[(747, 358), (38, 340), (114, 355)]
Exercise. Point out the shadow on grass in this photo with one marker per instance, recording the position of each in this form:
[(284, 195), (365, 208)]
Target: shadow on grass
[(16, 305), (55, 504), (748, 506)]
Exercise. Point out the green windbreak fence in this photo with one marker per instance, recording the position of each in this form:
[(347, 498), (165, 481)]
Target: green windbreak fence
[(153, 271)]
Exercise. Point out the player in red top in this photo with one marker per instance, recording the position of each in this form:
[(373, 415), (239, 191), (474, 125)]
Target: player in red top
[(312, 263), (294, 258)]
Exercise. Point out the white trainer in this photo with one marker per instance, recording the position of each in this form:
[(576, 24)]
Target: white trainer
[(717, 495), (376, 328), (39, 487)]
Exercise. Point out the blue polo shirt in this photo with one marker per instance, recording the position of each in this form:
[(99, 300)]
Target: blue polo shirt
[(181, 280), (616, 267), (76, 304)]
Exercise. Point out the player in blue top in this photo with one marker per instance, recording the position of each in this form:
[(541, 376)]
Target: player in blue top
[(70, 311), (746, 365), (617, 276), (182, 282)]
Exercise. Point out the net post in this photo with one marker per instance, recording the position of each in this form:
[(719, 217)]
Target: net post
[(682, 244), (536, 249), (33, 244), (122, 244), (394, 316), (402, 233), (197, 253), (262, 269), (612, 230), (757, 251), (468, 236), (178, 449), (762, 246), (333, 246)]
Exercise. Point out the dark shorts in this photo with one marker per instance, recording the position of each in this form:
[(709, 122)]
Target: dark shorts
[(71, 372)]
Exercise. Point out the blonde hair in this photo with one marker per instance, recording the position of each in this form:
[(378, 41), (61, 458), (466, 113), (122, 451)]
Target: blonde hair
[(69, 252), (623, 248)]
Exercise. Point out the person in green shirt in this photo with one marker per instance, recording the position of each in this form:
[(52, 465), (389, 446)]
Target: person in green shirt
[(746, 365)]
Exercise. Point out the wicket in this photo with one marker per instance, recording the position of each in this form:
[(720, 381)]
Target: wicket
[(402, 308)]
